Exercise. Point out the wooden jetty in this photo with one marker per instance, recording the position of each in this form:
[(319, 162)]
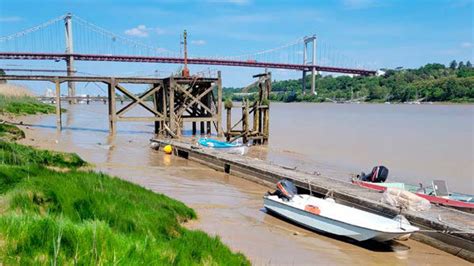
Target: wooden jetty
[(444, 228), (174, 100), (259, 109)]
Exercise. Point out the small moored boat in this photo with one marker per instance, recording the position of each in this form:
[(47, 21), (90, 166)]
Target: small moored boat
[(437, 193), (328, 216), (235, 148)]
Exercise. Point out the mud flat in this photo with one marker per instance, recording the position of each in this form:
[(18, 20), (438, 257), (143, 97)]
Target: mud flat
[(444, 228), (228, 206)]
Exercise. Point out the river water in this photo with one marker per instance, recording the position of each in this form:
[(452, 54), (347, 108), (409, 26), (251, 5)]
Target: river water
[(232, 207), (418, 143)]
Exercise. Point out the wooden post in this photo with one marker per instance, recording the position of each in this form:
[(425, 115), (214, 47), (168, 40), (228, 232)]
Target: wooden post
[(229, 122), (246, 121), (156, 102), (208, 104), (266, 123), (58, 105), (172, 115), (219, 105), (202, 122), (256, 116), (112, 112), (194, 122), (164, 106)]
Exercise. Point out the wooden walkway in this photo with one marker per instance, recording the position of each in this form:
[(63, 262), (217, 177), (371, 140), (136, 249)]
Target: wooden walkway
[(444, 228)]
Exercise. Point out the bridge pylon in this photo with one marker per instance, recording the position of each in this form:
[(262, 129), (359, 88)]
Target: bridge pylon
[(306, 41), (70, 59)]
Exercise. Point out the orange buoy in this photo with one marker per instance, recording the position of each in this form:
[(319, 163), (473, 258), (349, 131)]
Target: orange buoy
[(312, 209)]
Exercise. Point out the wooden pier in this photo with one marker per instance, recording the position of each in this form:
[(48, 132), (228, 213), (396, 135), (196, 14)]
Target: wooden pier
[(444, 228), (170, 102)]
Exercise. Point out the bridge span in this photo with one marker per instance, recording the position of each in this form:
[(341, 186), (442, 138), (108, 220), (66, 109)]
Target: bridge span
[(177, 60)]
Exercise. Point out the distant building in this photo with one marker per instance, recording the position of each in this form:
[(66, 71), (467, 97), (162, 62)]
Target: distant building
[(380, 73), (49, 93)]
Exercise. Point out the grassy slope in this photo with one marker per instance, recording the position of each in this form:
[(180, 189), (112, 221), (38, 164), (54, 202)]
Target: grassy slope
[(50, 217), (24, 105), (10, 132)]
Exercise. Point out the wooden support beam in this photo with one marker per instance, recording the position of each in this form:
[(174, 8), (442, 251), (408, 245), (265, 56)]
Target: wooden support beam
[(197, 119), (195, 99), (58, 105), (172, 115), (208, 103), (140, 119), (229, 122), (194, 114), (156, 102), (112, 113), (138, 100), (220, 129)]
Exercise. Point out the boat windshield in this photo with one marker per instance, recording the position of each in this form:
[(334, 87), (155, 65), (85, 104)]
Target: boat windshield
[(287, 188)]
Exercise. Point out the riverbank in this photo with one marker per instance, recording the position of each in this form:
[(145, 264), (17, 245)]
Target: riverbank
[(430, 83), (227, 206), (53, 211)]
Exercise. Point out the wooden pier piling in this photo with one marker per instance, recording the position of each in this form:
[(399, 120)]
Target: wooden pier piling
[(258, 111)]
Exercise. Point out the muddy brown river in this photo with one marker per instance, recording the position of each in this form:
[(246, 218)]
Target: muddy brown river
[(227, 206)]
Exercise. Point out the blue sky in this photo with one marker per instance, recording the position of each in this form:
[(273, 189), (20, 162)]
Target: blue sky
[(377, 33)]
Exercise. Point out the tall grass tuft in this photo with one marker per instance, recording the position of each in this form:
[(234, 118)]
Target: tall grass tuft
[(10, 132), (80, 217), (21, 105)]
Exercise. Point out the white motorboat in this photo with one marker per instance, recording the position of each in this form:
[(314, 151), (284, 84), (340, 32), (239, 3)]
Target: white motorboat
[(328, 216)]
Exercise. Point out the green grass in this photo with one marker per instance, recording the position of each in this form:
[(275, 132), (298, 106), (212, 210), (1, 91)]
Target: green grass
[(17, 154), (10, 132), (24, 105), (78, 217)]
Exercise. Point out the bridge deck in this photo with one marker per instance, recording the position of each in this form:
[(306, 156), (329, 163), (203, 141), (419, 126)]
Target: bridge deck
[(177, 60), (457, 227)]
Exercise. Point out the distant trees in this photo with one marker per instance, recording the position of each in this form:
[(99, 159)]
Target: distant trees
[(432, 82), (453, 65), (2, 72)]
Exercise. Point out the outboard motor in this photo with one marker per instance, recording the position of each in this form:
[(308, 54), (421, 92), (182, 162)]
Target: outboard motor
[(285, 189), (378, 175)]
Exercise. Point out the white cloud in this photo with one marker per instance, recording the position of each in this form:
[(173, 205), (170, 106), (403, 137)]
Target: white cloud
[(466, 44), (139, 31), (143, 31), (10, 19), (198, 42)]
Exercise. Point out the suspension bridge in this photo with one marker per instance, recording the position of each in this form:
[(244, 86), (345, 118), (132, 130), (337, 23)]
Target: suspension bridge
[(93, 43)]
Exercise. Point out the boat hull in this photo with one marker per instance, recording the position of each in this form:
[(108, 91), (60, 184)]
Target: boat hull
[(327, 225), (223, 146), (461, 205)]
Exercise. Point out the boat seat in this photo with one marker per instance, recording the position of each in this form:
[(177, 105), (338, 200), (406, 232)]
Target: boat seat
[(440, 188)]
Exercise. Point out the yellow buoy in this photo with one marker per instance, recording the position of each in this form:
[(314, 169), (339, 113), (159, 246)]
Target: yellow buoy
[(168, 149)]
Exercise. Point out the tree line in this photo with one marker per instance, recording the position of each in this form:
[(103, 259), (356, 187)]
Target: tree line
[(430, 83)]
